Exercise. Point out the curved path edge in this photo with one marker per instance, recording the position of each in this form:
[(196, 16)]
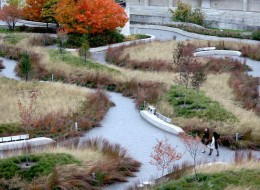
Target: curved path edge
[(104, 48), (192, 35)]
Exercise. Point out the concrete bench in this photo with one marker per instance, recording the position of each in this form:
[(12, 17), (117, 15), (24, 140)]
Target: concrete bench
[(14, 138), (164, 118), (204, 49)]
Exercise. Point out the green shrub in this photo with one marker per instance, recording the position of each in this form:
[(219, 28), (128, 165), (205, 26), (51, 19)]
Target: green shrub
[(197, 17), (182, 13), (74, 40), (256, 35), (106, 38), (95, 40)]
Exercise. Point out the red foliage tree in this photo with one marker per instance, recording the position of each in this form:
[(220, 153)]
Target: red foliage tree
[(194, 146), (32, 10), (10, 14), (90, 16), (164, 155)]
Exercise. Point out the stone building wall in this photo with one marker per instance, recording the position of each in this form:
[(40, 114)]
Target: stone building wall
[(238, 5)]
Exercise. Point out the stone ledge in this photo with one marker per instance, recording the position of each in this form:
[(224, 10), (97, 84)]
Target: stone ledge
[(104, 48), (193, 35)]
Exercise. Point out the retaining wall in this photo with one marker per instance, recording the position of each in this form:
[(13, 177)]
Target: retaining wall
[(224, 19)]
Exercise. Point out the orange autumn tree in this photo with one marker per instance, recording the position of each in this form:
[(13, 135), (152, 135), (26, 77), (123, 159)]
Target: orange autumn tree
[(65, 11), (32, 10), (90, 16)]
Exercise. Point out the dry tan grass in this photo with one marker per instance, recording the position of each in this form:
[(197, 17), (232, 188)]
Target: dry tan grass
[(217, 89), (220, 167), (86, 155), (232, 187), (153, 50), (216, 86), (52, 97)]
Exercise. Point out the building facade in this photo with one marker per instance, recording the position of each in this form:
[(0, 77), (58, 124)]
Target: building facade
[(237, 5)]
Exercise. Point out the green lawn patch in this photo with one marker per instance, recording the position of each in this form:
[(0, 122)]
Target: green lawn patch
[(44, 165), (14, 38), (4, 30), (217, 181), (207, 108), (68, 58)]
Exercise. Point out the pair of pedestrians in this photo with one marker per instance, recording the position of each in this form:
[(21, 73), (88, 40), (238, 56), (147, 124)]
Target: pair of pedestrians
[(210, 143)]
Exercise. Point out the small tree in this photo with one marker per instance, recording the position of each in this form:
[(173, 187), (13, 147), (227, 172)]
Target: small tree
[(84, 49), (177, 54), (10, 14), (164, 155), (185, 76), (198, 78), (25, 65), (194, 146), (27, 114), (62, 38)]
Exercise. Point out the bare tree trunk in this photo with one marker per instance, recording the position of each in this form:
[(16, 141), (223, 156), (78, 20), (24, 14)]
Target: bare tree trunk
[(163, 178), (195, 171), (197, 94), (186, 90), (180, 81), (26, 151), (26, 76)]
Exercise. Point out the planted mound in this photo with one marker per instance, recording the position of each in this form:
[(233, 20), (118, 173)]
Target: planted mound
[(242, 179), (210, 32), (246, 90), (58, 125), (207, 108), (117, 56), (43, 165), (224, 65), (109, 162), (141, 91)]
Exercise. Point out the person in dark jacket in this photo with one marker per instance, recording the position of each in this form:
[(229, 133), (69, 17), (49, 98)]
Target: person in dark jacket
[(205, 139), (214, 143)]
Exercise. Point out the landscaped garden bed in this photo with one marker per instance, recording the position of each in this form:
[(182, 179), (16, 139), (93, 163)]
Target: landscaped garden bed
[(90, 164)]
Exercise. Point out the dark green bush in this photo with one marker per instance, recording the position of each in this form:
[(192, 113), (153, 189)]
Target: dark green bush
[(74, 40), (256, 35), (95, 40), (108, 37)]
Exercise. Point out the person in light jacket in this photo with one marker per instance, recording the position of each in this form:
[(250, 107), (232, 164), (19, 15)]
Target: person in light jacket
[(214, 143)]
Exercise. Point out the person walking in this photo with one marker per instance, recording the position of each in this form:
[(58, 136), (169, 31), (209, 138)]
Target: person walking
[(214, 143), (205, 139)]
